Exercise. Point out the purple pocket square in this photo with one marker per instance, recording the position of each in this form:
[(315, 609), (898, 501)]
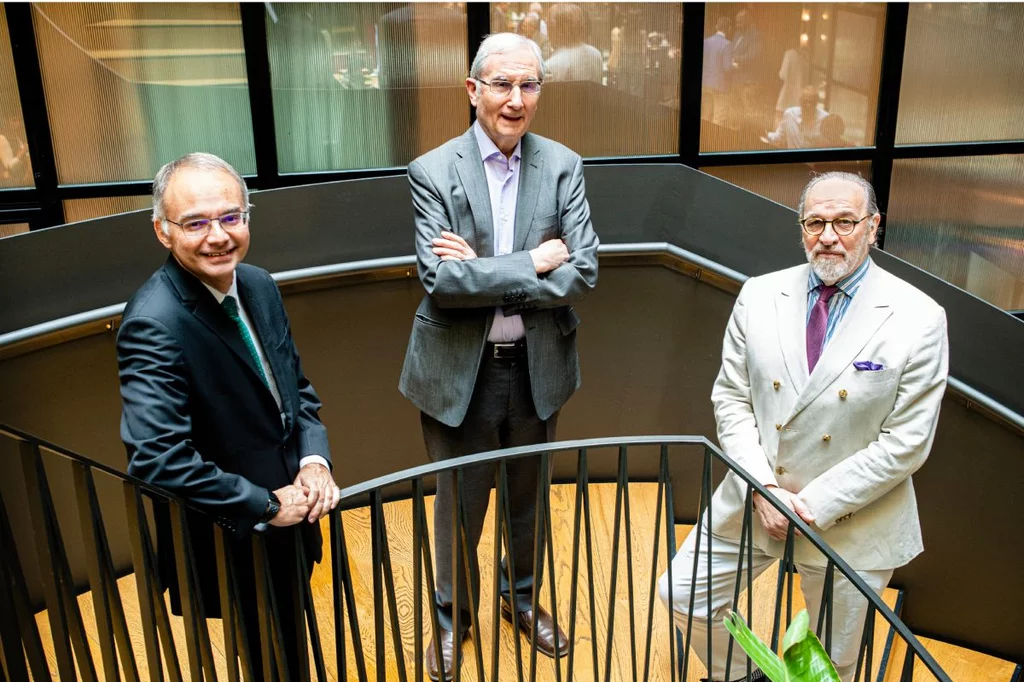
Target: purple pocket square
[(867, 366)]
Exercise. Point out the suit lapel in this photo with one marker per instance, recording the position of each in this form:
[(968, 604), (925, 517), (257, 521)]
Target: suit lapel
[(791, 315), (260, 318), (471, 172), (868, 311), (529, 187), (203, 305)]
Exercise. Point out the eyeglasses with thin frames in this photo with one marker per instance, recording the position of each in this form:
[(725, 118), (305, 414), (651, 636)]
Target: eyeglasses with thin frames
[(842, 226), (228, 222), (504, 88)]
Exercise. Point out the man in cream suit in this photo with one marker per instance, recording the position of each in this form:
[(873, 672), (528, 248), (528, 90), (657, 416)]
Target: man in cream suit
[(504, 247), (832, 375)]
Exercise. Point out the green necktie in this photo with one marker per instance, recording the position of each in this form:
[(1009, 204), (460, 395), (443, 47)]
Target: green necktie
[(230, 306)]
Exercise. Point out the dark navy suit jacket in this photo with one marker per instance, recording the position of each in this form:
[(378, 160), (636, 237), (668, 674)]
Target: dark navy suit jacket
[(197, 418)]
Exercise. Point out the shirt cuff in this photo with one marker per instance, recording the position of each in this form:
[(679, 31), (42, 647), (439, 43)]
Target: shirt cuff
[(260, 527), (314, 459)]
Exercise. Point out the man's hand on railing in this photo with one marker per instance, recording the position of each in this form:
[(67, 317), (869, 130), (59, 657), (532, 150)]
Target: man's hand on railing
[(294, 505), (772, 519), (323, 493)]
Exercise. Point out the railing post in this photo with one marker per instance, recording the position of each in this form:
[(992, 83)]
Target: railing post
[(509, 552), (342, 586), (472, 578), (112, 628), (61, 604), (422, 549)]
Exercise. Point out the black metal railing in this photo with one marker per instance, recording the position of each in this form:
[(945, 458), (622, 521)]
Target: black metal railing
[(371, 626)]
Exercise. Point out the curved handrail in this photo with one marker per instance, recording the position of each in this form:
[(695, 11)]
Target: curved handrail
[(320, 272), (809, 534)]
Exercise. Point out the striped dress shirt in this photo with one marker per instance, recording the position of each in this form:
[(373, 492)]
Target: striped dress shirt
[(840, 301)]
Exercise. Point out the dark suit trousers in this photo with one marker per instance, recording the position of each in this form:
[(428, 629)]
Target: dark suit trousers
[(501, 415)]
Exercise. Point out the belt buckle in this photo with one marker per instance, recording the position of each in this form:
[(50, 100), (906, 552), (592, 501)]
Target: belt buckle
[(500, 348)]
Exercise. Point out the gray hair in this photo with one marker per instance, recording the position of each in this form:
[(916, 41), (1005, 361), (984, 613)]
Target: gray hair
[(200, 160), (498, 43), (869, 192)]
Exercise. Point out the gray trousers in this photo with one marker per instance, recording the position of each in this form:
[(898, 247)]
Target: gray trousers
[(501, 415)]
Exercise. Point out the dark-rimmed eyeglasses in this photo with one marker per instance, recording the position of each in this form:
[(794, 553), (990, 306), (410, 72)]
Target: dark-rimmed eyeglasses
[(235, 220), (504, 88), (842, 226)]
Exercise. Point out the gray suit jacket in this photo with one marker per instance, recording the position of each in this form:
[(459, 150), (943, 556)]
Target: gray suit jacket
[(449, 332)]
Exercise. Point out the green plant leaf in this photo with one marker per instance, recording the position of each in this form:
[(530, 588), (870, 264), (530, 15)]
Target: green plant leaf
[(805, 658), (765, 659)]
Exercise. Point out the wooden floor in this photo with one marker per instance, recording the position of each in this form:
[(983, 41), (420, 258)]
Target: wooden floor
[(962, 666)]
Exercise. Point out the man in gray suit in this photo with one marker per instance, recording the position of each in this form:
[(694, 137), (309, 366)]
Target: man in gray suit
[(504, 247)]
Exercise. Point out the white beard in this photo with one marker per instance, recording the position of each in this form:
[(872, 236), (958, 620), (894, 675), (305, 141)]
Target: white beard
[(830, 270)]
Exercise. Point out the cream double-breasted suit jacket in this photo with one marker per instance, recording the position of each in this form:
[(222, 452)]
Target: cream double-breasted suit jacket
[(846, 440)]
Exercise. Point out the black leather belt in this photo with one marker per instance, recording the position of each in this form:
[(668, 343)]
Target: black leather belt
[(505, 351)]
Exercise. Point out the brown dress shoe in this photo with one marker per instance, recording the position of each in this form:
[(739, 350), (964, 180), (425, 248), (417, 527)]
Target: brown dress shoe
[(447, 653), (545, 629)]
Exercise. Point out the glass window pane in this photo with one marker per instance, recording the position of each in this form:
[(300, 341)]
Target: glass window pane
[(130, 86), (783, 183), (12, 229), (790, 76), (612, 84), (365, 85), (962, 71), (76, 210), (959, 218), (15, 164)]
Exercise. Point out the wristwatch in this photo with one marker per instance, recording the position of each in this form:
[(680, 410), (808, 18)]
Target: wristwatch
[(273, 506)]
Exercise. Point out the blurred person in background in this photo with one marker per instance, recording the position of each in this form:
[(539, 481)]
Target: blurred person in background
[(715, 74), (800, 126), (572, 58)]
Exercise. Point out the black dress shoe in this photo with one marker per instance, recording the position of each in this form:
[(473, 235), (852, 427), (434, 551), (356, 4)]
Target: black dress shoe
[(545, 629), (447, 653)]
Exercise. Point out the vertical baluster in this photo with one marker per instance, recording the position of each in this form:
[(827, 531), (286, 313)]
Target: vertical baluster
[(674, 637), (21, 630), (829, 588), (457, 577), (590, 562), (197, 639), (616, 532), (507, 532), (417, 586), (581, 463), (227, 604), (538, 565), (500, 491), (624, 475), (58, 587), (342, 587), (271, 645), (746, 528), (309, 607), (703, 504), (908, 664), (546, 466), (110, 620), (380, 659), (706, 480), (156, 624), (653, 586), (866, 645), (424, 552), (389, 585), (473, 578), (749, 511)]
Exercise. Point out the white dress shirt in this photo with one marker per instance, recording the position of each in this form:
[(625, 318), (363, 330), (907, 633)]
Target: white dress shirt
[(503, 185)]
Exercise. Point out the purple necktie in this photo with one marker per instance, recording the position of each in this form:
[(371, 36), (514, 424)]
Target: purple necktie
[(816, 326)]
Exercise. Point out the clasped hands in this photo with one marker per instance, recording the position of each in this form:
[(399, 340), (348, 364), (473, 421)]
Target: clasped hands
[(546, 257), (311, 496), (772, 519)]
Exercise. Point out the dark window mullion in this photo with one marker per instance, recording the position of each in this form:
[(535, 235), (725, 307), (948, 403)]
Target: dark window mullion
[(478, 25), (893, 48), (690, 85), (33, 108), (261, 101)]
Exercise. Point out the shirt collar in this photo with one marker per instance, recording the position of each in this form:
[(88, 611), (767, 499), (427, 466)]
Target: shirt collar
[(848, 285), (233, 291), (489, 149)]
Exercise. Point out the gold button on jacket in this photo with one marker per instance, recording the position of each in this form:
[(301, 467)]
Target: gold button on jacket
[(776, 384), (842, 394), (780, 470), (826, 438)]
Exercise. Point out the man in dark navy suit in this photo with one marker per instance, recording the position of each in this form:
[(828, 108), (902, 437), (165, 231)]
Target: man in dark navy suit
[(216, 408)]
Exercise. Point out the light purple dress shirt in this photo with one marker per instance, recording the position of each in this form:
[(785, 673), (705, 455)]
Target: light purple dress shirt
[(503, 186)]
